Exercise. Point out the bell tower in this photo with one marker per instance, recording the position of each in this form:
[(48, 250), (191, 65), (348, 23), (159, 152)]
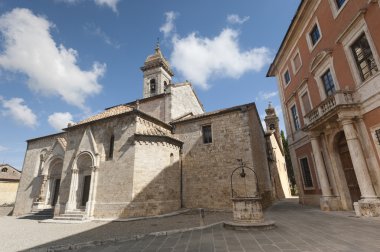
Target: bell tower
[(272, 121), (157, 74)]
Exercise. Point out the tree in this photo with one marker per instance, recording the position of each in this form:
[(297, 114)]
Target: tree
[(288, 161)]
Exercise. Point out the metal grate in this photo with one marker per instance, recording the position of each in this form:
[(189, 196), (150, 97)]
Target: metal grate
[(364, 57)]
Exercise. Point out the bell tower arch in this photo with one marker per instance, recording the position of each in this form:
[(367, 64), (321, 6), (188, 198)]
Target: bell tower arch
[(157, 74)]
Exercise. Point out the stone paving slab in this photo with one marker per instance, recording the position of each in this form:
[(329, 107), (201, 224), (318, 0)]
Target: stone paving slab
[(298, 229)]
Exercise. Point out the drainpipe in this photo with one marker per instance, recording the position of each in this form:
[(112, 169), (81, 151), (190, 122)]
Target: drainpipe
[(181, 177)]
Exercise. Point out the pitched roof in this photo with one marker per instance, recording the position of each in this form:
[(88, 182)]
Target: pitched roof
[(117, 110), (8, 172), (212, 113)]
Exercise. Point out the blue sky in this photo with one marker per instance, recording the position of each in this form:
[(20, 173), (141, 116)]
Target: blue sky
[(63, 60)]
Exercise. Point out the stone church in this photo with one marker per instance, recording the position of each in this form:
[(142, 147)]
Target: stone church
[(151, 156)]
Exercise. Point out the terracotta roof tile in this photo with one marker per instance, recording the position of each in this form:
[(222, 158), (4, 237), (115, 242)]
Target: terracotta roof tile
[(107, 113)]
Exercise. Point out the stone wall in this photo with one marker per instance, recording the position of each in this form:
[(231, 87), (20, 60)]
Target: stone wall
[(258, 148), (31, 180), (207, 167), (158, 107), (184, 101), (156, 179), (8, 191)]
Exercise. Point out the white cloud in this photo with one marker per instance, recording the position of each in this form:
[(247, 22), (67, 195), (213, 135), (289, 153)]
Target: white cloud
[(97, 31), (60, 120), (3, 148), (51, 69), (168, 26), (109, 3), (18, 111), (236, 19), (266, 95), (198, 59)]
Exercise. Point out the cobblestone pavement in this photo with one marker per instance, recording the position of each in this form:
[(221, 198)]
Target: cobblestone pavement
[(298, 229)]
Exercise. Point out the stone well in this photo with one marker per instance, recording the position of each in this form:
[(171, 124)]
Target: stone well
[(247, 207)]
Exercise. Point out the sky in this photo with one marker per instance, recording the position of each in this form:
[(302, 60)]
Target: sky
[(64, 60)]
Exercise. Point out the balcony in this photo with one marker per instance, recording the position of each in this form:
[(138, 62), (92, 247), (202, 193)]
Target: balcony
[(329, 107)]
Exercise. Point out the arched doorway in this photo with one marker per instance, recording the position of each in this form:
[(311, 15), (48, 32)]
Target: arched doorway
[(84, 165), (54, 181), (348, 168)]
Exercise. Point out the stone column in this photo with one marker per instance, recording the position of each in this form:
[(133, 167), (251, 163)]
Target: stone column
[(91, 202), (320, 166), (330, 172), (328, 201), (72, 204), (41, 196), (358, 160)]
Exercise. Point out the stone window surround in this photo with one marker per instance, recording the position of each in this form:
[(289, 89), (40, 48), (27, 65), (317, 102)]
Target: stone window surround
[(320, 70), (334, 8), (349, 38), (297, 52), (304, 89), (308, 39), (212, 135), (290, 105), (301, 170), (4, 169), (285, 84)]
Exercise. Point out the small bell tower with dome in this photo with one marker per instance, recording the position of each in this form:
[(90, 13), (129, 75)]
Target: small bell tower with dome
[(157, 74), (272, 121)]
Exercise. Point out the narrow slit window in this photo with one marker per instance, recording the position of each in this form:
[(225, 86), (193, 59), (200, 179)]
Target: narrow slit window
[(112, 142)]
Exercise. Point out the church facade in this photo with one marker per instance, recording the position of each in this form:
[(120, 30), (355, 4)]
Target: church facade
[(148, 157)]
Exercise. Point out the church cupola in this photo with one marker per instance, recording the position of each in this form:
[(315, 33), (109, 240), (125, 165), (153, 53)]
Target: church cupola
[(157, 74)]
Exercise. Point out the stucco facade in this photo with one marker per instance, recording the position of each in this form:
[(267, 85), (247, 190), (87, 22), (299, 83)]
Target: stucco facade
[(146, 157), (328, 76), (9, 180)]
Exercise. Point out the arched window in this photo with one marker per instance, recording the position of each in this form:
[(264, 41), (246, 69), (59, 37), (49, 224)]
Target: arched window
[(112, 141), (4, 170), (152, 86), (171, 158), (272, 127), (165, 85)]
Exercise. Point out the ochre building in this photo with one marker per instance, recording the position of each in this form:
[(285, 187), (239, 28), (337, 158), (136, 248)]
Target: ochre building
[(9, 180), (328, 76), (148, 157)]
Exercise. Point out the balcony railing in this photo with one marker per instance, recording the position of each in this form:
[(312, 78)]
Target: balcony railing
[(332, 102)]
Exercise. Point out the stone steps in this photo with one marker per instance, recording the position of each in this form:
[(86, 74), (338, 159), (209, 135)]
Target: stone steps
[(76, 215), (42, 212)]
